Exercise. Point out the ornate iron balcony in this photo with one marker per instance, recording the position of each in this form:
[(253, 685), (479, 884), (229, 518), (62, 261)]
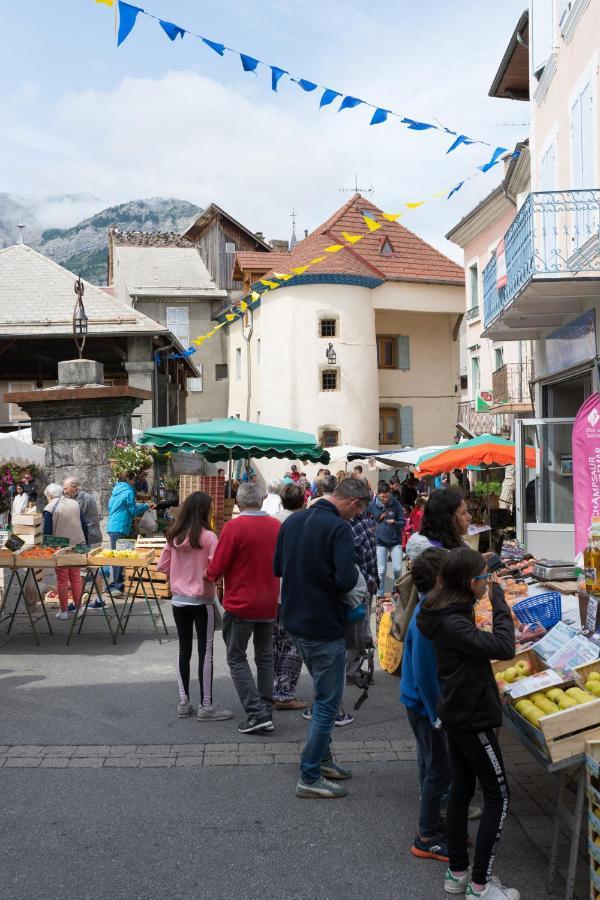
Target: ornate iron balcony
[(556, 234), (472, 313), (510, 384)]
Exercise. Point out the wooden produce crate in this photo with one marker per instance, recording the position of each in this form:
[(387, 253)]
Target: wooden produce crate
[(536, 662), (160, 580), (7, 557), (24, 561), (26, 518), (563, 734), (592, 767), (68, 557), (31, 540), (582, 672), (98, 558), (214, 485)]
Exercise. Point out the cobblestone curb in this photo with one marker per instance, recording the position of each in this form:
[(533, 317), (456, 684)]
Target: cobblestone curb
[(144, 756)]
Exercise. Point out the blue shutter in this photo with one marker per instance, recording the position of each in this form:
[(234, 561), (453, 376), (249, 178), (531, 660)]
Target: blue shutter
[(403, 352), (406, 426)]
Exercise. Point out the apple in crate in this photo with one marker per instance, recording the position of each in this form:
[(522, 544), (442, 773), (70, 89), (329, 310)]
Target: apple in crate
[(523, 667), (510, 674)]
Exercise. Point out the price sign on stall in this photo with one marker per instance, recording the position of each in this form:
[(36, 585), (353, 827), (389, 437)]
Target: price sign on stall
[(57, 542)]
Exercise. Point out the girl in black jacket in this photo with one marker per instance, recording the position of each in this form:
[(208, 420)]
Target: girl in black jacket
[(469, 709)]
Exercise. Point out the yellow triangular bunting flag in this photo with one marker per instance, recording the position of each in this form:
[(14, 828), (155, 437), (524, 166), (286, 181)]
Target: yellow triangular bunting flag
[(415, 205), (231, 317), (352, 238), (316, 260), (391, 217), (200, 340), (270, 284), (220, 325), (334, 248), (372, 225), (106, 2), (299, 270), (282, 277), (243, 306), (255, 296)]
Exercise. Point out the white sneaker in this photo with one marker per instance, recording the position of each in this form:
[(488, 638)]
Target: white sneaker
[(494, 890), (62, 615), (454, 884)]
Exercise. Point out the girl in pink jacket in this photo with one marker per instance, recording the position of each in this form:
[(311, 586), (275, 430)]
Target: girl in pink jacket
[(191, 544)]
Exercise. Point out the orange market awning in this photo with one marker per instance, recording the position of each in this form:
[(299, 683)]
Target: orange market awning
[(484, 450)]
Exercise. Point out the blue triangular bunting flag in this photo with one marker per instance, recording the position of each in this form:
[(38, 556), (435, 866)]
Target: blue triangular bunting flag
[(495, 158), (455, 189), (349, 103), (461, 139), (276, 74), (172, 31), (380, 115), (306, 85), (127, 16), (218, 48), (417, 126), (328, 97), (249, 64)]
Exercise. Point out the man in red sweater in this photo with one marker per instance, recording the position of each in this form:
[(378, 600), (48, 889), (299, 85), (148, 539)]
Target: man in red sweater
[(244, 557)]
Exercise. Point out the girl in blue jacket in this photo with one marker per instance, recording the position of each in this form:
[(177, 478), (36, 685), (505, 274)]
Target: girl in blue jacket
[(122, 509)]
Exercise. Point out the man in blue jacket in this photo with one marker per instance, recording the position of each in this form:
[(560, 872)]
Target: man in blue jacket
[(315, 559), (389, 525)]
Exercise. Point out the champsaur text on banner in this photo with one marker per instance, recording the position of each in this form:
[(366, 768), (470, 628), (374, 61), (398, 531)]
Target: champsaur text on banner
[(586, 469)]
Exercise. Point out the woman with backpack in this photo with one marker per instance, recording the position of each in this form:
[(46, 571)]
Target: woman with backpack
[(191, 544), (469, 710)]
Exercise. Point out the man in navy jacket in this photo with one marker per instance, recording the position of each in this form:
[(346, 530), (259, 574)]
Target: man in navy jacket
[(389, 525), (315, 558)]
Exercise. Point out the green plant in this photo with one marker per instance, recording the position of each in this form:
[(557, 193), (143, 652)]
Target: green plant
[(483, 488), (172, 483), (134, 457)]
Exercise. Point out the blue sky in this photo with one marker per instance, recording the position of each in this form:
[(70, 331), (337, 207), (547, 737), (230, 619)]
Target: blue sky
[(153, 118)]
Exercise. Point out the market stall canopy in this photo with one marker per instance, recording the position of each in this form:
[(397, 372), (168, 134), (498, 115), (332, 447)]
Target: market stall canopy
[(396, 458), (20, 453), (486, 449), (220, 438), (347, 452)]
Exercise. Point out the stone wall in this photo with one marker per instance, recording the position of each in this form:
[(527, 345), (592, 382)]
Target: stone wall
[(78, 436)]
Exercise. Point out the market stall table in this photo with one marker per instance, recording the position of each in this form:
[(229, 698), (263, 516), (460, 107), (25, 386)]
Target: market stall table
[(94, 572), (138, 561), (26, 560)]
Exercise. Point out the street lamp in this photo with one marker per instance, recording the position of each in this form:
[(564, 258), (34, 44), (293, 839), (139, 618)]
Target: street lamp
[(80, 320), (330, 354)]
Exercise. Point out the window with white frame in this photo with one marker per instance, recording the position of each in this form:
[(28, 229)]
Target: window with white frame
[(229, 247), (475, 377), (473, 286), (541, 30), (498, 358), (194, 385), (238, 363), (178, 322)]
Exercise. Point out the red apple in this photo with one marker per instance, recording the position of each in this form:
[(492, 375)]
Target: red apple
[(523, 667)]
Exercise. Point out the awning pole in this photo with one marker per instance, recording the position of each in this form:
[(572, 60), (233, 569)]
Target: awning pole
[(230, 476)]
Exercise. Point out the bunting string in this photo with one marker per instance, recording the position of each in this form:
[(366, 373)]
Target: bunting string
[(268, 285), (128, 15)]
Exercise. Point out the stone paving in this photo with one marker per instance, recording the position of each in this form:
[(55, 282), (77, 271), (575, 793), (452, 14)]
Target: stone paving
[(128, 756)]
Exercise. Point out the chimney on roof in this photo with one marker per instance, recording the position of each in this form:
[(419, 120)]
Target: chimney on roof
[(280, 246), (259, 235), (306, 232)]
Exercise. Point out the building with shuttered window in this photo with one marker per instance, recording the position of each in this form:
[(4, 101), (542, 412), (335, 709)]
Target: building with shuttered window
[(360, 348)]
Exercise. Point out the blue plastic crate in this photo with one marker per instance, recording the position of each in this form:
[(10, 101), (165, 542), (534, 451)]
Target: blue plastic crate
[(543, 608)]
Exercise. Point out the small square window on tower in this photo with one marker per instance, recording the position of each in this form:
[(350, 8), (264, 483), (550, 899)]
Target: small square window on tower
[(328, 328), (329, 380), (330, 437)]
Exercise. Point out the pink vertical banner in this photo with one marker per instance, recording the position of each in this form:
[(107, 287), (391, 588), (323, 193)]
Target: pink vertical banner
[(586, 469)]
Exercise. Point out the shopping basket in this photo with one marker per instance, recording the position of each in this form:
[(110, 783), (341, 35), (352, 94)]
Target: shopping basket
[(543, 608)]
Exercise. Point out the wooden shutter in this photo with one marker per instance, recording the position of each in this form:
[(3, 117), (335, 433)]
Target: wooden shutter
[(406, 426), (403, 352)]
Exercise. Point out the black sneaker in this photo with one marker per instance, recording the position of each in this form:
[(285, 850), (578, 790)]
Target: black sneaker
[(430, 848), (254, 723)]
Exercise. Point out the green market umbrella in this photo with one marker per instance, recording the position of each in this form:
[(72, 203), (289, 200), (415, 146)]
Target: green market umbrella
[(222, 439)]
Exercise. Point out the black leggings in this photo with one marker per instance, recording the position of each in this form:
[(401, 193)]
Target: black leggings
[(203, 617), (475, 755)]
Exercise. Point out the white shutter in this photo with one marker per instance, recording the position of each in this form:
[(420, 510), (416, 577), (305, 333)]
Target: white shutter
[(406, 426), (541, 30), (403, 354), (178, 322), (576, 143), (587, 137)]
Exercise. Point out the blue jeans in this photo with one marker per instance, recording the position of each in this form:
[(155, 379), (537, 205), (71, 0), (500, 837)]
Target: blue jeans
[(434, 771), (382, 557), (118, 580), (326, 662)]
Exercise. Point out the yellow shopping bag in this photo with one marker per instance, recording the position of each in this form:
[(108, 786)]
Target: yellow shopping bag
[(390, 650)]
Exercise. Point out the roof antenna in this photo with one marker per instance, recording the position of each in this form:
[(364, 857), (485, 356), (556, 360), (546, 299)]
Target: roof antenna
[(356, 189)]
